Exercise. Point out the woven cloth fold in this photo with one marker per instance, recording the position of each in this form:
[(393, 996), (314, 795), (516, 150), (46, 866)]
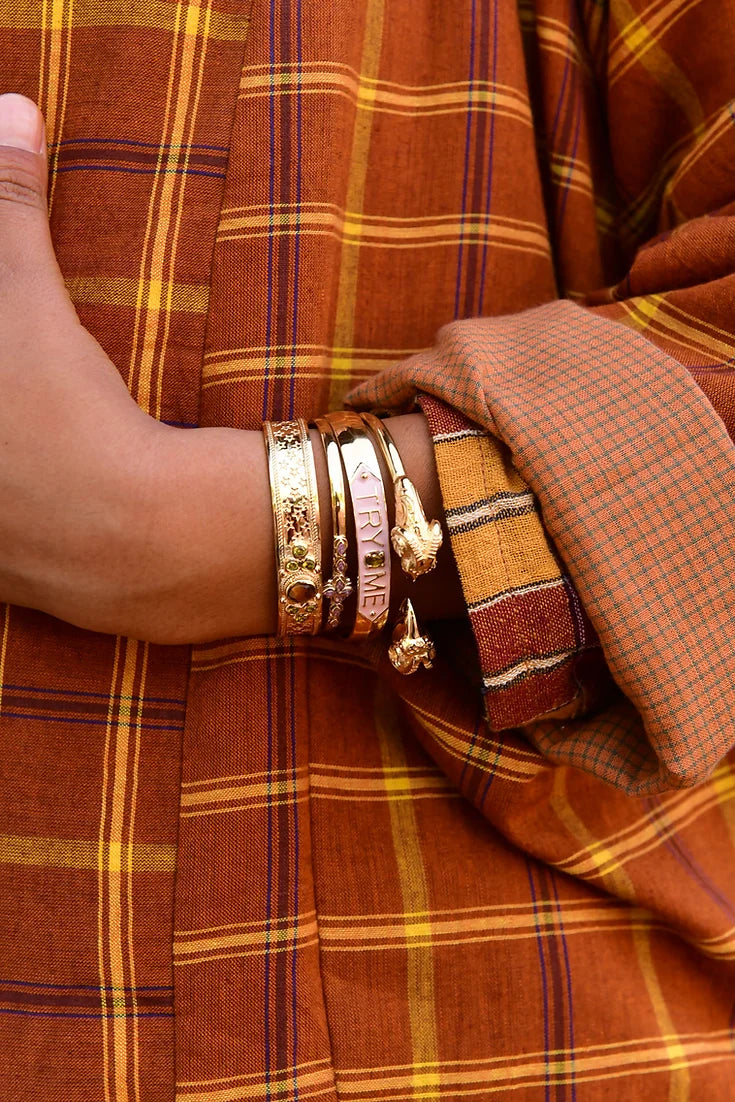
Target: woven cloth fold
[(635, 475)]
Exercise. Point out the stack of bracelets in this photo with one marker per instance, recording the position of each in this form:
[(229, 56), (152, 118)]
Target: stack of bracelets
[(353, 444)]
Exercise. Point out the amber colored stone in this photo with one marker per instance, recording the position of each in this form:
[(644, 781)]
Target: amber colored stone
[(299, 592)]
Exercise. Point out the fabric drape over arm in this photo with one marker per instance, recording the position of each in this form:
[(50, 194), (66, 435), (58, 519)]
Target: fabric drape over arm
[(635, 473), (610, 429)]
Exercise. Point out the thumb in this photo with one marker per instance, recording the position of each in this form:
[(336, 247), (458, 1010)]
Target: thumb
[(27, 262)]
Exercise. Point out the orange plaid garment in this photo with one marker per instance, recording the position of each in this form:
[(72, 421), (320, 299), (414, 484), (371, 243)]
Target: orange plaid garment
[(338, 883)]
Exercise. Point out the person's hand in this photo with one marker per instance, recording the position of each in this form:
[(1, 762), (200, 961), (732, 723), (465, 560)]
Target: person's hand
[(109, 519), (76, 452)]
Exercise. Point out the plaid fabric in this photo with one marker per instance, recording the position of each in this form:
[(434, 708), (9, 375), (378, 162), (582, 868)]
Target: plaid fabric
[(270, 870)]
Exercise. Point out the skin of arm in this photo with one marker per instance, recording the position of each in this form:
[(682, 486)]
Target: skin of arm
[(109, 519)]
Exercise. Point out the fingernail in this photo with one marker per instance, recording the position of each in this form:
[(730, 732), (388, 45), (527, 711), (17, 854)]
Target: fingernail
[(21, 123)]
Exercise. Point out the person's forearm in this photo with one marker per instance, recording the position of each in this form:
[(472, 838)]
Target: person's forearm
[(207, 561)]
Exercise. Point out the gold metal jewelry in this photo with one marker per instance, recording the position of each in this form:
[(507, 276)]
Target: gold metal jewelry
[(296, 526), (372, 542), (338, 587), (415, 539), (410, 649)]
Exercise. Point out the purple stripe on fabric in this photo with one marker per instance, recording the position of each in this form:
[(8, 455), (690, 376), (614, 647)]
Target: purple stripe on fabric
[(89, 707), (557, 994), (684, 856), (84, 692), (83, 986), (283, 866), (269, 879), (141, 171), (562, 90), (564, 195), (466, 763), (568, 978), (294, 951), (90, 722), (283, 248), (96, 1017), (137, 145), (473, 250), (491, 770), (466, 173), (271, 197), (144, 157), (41, 998), (544, 983), (292, 393), (490, 160)]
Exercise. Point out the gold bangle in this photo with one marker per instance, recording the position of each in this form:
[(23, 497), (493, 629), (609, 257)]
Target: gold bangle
[(415, 539), (367, 494), (338, 587), (296, 526)]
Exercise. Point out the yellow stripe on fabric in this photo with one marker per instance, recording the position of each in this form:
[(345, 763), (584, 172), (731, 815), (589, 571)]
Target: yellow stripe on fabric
[(82, 853), (606, 1049), (285, 800), (344, 323), (657, 312), (374, 96), (354, 224), (393, 237), (251, 369), (187, 946), (673, 165), (407, 849), (700, 143), (56, 26), (188, 298), (228, 779), (159, 252), (639, 44), (611, 854), (254, 1076), (486, 754), (619, 883), (189, 106), (531, 922), (586, 1064), (130, 828), (572, 174), (102, 879), (246, 791), (388, 784), (642, 31), (253, 924), (158, 15), (556, 37), (280, 1084), (124, 747)]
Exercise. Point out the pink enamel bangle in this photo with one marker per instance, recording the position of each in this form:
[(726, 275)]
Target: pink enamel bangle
[(372, 540)]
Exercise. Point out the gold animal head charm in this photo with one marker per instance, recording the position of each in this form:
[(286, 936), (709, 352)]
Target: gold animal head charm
[(415, 539), (410, 649)]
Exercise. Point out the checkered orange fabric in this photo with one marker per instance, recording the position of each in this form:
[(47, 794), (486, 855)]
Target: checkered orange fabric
[(261, 869)]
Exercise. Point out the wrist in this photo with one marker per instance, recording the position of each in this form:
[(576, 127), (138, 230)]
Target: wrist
[(200, 563)]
